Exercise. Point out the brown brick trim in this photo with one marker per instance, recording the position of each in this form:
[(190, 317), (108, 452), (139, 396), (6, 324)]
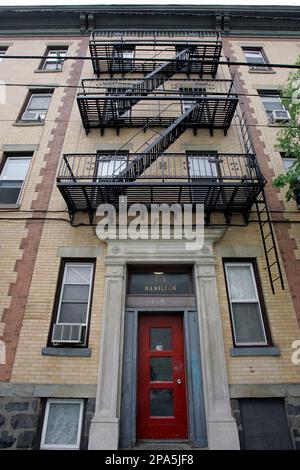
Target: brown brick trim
[(286, 244), (19, 290)]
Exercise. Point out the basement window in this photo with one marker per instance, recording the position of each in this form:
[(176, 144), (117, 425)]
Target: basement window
[(62, 424)]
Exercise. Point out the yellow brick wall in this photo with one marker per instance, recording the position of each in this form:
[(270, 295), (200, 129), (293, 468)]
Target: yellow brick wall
[(30, 365)]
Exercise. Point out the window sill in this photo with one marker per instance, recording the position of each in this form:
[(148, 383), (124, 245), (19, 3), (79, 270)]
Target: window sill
[(262, 71), (10, 206), (68, 352), (28, 123), (277, 124), (47, 71), (255, 351)]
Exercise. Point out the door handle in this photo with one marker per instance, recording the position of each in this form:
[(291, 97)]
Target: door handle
[(178, 381)]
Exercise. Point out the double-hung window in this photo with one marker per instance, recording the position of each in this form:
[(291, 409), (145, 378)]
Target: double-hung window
[(62, 424), (272, 102), (55, 58), (256, 55), (123, 58), (287, 161), (12, 177), (37, 106), (110, 164), (197, 92), (203, 165), (73, 308), (248, 322)]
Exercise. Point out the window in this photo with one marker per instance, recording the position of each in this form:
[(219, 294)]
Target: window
[(2, 52), (37, 106), (74, 302), (62, 424), (110, 164), (256, 55), (203, 164), (123, 58), (55, 58), (12, 177), (271, 101), (197, 92), (287, 161), (248, 322), (264, 424)]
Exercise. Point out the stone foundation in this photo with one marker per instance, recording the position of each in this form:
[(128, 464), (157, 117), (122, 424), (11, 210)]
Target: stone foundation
[(19, 419)]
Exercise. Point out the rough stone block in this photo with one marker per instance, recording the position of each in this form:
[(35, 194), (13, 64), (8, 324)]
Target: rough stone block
[(26, 440), (17, 406), (22, 421), (6, 440)]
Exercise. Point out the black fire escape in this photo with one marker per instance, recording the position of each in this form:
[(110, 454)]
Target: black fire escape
[(141, 92)]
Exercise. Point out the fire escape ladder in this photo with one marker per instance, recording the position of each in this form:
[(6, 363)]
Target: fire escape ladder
[(166, 138), (153, 80), (269, 243)]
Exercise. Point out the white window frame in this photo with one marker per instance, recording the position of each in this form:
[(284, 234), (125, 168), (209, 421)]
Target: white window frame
[(43, 112), (201, 161), (4, 178), (109, 161), (259, 53), (45, 424), (83, 264), (54, 55), (246, 301)]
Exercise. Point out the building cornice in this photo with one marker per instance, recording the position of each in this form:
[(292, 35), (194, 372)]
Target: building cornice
[(81, 19)]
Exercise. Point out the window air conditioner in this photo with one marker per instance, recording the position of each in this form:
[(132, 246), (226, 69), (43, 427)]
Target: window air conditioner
[(68, 333), (29, 116), (280, 115)]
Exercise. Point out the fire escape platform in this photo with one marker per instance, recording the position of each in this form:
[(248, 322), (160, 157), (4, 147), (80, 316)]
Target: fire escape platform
[(226, 183), (158, 109), (107, 57)]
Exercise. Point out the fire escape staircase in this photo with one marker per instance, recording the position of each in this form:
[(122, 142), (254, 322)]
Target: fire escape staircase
[(150, 82), (167, 137)]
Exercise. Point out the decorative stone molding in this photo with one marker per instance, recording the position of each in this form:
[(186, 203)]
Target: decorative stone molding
[(222, 430)]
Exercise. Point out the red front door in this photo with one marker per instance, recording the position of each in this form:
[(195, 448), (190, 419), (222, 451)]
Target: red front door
[(162, 410)]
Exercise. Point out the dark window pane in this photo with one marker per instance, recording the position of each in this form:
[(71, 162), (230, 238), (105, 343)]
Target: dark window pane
[(73, 313), (9, 191), (161, 369), (75, 293), (248, 323), (160, 339), (161, 402)]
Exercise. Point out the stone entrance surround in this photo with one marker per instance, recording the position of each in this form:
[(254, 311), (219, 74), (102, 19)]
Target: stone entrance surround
[(221, 426)]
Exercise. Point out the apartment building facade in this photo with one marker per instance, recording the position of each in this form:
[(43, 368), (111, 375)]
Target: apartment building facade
[(135, 341)]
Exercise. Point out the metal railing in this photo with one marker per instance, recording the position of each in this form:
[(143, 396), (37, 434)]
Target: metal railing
[(225, 167), (129, 86), (153, 33)]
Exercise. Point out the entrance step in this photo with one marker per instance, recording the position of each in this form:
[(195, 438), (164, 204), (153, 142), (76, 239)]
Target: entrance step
[(163, 445)]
